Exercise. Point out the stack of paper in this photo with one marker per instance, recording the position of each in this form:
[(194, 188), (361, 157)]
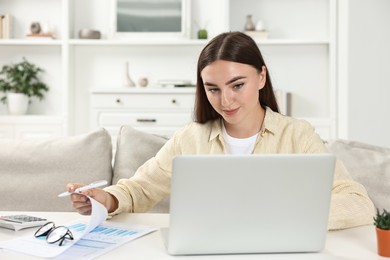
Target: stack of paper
[(91, 239)]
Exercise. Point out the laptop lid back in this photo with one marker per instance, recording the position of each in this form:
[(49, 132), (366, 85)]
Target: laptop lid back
[(229, 204)]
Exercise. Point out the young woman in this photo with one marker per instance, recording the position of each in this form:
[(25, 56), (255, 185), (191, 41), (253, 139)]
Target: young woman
[(235, 113)]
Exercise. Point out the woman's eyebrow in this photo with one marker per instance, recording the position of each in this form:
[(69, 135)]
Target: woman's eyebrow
[(209, 84), (234, 79), (227, 83)]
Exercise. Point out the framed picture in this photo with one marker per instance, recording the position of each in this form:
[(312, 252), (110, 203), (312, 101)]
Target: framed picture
[(150, 18)]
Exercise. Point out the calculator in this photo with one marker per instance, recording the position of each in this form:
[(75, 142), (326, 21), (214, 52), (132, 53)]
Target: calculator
[(17, 222)]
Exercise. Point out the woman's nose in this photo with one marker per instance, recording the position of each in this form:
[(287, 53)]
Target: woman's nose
[(226, 98)]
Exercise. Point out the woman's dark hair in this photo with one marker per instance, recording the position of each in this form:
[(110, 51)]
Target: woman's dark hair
[(236, 47)]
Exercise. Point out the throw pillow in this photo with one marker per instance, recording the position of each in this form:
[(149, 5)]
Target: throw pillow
[(133, 149), (367, 164), (34, 172)]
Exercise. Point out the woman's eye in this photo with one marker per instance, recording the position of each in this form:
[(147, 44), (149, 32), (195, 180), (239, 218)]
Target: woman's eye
[(238, 85), (213, 90)]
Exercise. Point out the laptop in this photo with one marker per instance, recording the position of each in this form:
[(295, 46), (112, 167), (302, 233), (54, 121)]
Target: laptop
[(238, 204)]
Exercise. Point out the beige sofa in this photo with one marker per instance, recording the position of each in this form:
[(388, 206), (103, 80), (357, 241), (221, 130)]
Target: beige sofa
[(32, 173)]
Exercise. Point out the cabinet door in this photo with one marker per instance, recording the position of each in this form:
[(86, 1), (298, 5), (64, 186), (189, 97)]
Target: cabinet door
[(143, 119), (36, 131), (164, 124), (6, 131), (141, 101)]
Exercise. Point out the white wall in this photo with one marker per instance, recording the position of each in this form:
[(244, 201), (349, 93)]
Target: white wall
[(364, 97)]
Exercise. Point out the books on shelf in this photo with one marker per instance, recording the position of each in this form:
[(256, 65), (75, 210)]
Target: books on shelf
[(6, 26), (257, 35), (174, 83)]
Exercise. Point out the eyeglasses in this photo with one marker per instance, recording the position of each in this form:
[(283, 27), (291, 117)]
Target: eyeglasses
[(54, 234)]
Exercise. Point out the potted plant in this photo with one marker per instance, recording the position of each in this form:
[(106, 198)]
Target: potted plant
[(202, 32), (382, 223), (20, 82)]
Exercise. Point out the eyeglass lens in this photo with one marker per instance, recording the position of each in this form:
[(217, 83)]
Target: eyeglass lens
[(59, 234), (54, 234), (45, 229)]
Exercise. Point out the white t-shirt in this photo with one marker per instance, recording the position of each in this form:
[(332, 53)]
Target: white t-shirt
[(238, 145)]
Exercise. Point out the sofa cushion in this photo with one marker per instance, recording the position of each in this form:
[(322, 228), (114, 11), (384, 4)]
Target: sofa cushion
[(133, 149), (367, 164), (34, 172)]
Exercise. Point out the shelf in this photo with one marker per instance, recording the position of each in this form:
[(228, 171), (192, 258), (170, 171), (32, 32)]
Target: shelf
[(36, 119), (292, 42), (189, 42), (138, 42), (34, 42), (139, 90)]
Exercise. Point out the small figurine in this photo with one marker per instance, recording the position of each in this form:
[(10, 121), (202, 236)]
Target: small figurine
[(143, 82), (35, 28)]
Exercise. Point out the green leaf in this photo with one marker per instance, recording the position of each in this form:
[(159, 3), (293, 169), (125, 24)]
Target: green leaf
[(22, 77), (382, 220)]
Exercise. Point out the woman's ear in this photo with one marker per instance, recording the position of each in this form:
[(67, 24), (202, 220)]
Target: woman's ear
[(263, 77)]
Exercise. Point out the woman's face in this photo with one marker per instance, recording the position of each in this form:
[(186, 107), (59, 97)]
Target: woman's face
[(233, 90)]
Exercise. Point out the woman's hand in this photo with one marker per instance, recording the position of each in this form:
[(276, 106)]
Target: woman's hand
[(82, 204)]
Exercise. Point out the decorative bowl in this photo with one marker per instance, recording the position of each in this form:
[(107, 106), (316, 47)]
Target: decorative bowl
[(89, 34)]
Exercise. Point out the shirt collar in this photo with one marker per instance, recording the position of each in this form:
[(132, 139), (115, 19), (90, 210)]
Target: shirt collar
[(269, 124), (216, 129)]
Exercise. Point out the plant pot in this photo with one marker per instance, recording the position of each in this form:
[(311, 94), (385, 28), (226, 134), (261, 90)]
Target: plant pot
[(383, 242), (17, 103), (202, 34)]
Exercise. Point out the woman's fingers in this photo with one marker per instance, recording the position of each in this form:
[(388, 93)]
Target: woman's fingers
[(81, 204)]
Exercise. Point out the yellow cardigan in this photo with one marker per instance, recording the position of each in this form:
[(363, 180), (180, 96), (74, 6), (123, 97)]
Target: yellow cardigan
[(350, 204)]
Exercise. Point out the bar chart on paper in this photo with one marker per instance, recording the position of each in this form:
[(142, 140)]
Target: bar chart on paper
[(101, 239), (104, 234)]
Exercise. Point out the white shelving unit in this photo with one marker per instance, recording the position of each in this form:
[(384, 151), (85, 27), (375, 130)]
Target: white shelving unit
[(47, 118), (300, 53), (30, 127)]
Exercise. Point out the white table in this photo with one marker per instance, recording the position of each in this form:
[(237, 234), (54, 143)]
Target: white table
[(355, 243)]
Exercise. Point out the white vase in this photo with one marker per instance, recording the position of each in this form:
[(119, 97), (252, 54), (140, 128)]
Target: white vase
[(46, 27), (260, 26), (17, 103), (128, 81)]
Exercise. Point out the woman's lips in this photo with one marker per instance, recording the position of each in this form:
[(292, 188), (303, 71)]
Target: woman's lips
[(230, 112)]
